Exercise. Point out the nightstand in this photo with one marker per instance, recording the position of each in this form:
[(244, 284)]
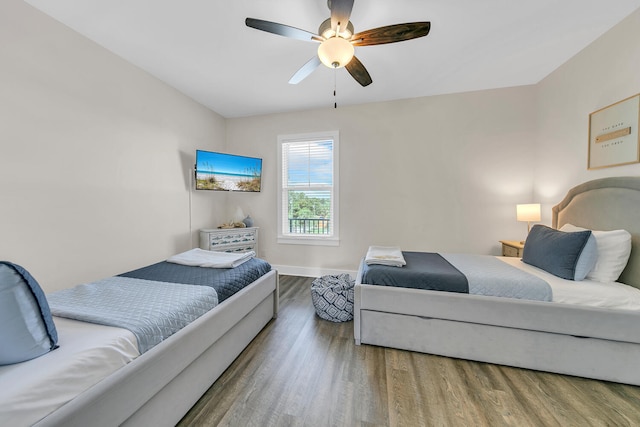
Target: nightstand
[(512, 248)]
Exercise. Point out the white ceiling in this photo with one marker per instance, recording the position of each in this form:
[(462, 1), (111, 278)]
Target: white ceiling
[(203, 48)]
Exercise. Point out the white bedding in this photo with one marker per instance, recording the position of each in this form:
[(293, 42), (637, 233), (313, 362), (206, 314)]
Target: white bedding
[(211, 259), (88, 353), (385, 255), (590, 293)]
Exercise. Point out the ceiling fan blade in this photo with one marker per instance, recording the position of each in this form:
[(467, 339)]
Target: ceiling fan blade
[(391, 34), (281, 29), (340, 13), (358, 72), (305, 70)]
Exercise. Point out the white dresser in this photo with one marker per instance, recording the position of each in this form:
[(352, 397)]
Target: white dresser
[(230, 239)]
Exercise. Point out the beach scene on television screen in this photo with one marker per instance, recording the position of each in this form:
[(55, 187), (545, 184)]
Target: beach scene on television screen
[(226, 172)]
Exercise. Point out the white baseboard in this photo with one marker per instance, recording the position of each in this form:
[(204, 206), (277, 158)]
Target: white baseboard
[(291, 270)]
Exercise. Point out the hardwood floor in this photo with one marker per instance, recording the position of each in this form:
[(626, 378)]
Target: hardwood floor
[(305, 371)]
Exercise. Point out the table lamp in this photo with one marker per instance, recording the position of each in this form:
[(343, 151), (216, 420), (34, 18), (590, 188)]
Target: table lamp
[(528, 212)]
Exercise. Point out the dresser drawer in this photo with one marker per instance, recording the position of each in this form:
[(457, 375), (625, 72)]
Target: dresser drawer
[(232, 237), (229, 240)]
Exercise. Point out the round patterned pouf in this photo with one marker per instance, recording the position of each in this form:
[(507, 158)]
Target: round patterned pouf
[(332, 297)]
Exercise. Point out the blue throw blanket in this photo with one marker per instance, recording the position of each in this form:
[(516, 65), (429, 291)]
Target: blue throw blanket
[(153, 311), (226, 281), (463, 273)]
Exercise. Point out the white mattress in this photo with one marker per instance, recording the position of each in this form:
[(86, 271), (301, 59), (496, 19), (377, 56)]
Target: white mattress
[(88, 353), (590, 293)]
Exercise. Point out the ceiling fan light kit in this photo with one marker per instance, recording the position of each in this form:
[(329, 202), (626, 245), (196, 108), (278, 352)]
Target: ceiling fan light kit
[(337, 40), (335, 52)]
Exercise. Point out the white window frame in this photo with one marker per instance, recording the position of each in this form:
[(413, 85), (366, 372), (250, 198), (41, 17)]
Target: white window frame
[(305, 239)]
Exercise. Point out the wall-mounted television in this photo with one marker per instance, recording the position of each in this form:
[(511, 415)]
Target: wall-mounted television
[(227, 172)]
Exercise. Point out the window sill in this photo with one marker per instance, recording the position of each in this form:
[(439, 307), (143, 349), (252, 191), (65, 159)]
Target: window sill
[(309, 240)]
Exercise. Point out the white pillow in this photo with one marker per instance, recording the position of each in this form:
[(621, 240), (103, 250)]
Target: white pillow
[(614, 248)]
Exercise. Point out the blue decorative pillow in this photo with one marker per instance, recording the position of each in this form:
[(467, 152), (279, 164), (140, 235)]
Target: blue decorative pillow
[(567, 255), (26, 326)]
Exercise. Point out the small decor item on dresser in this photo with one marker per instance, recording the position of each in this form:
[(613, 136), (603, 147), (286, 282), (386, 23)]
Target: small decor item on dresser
[(238, 215), (248, 221), (232, 224), (332, 297)]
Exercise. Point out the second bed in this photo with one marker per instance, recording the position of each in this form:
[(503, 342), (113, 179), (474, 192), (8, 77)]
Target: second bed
[(578, 333)]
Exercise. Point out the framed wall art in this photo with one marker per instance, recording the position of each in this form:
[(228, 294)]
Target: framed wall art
[(613, 134)]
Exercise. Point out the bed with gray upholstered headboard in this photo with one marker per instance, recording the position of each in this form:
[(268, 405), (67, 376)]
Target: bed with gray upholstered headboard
[(606, 204), (591, 342)]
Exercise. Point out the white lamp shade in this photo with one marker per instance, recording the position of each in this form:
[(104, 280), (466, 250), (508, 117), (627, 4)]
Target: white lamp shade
[(528, 212), (335, 52)]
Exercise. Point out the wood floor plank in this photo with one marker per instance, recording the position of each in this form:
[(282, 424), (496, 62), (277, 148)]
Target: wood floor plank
[(304, 371), (371, 385), (500, 397)]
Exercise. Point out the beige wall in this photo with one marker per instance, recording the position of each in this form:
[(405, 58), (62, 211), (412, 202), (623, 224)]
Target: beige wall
[(605, 72), (95, 156), (437, 173)]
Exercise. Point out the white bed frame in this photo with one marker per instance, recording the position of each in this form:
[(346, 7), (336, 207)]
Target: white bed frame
[(587, 342), (159, 387)]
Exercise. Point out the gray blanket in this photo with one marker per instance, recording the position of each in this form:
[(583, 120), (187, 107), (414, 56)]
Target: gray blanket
[(463, 273), (153, 311), (226, 281), (423, 270)]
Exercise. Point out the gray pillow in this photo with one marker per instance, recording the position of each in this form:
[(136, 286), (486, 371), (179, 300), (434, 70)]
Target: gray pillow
[(567, 255), (26, 326)]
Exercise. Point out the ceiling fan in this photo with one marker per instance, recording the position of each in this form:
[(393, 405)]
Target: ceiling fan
[(337, 40)]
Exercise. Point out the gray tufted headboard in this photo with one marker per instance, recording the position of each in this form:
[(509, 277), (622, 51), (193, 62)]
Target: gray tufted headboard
[(606, 204)]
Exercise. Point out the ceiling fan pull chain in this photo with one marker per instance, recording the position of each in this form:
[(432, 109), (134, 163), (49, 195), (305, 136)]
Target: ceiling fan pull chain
[(335, 98)]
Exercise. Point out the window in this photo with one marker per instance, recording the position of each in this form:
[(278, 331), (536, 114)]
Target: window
[(308, 188)]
